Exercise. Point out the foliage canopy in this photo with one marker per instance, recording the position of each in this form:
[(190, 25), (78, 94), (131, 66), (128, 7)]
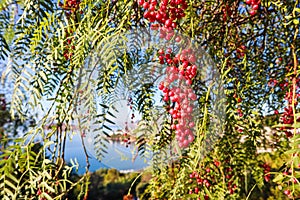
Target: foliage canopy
[(71, 61)]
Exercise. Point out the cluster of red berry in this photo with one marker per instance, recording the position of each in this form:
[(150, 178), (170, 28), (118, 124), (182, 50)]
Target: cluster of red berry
[(227, 12), (240, 112), (292, 97), (241, 51), (178, 92), (166, 33), (196, 177), (287, 191), (267, 170), (126, 139), (287, 116), (283, 85), (129, 102), (180, 70), (71, 5), (254, 6), (39, 193), (130, 105), (168, 12), (231, 187), (208, 178), (69, 47)]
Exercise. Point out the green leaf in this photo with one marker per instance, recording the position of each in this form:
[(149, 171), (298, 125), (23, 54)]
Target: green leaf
[(278, 178), (10, 184), (8, 192), (47, 196), (208, 193), (296, 21)]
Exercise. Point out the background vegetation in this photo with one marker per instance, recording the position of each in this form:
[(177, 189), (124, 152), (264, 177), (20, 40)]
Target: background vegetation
[(70, 61)]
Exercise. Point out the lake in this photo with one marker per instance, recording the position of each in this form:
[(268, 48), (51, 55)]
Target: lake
[(119, 156)]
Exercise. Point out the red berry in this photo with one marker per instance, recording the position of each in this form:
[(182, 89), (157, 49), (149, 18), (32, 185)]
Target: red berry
[(252, 12), (161, 51), (163, 8), (174, 25), (153, 2), (168, 37), (169, 61), (191, 124), (168, 23), (294, 180), (267, 178), (151, 8), (287, 192), (188, 82), (217, 163), (192, 58), (199, 181), (158, 17), (154, 27), (177, 39), (146, 5), (166, 98), (228, 176), (147, 14), (207, 184), (141, 2), (255, 7)]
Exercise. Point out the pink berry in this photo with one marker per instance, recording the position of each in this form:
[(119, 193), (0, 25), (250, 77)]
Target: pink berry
[(255, 7), (146, 14), (168, 23), (287, 192), (146, 5), (252, 12), (189, 82), (151, 8), (177, 39)]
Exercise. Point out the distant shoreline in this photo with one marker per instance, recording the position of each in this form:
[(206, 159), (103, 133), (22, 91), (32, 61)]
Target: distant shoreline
[(119, 156), (121, 137)]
